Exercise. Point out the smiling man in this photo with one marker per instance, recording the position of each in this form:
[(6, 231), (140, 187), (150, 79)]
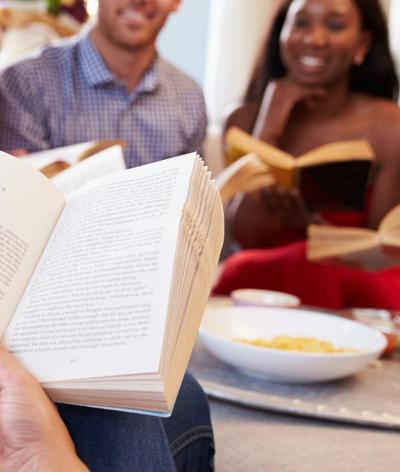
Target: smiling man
[(108, 84)]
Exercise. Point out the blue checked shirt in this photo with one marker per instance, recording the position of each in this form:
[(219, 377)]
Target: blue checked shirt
[(67, 95)]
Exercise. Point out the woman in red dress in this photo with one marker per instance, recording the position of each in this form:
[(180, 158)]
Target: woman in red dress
[(324, 75)]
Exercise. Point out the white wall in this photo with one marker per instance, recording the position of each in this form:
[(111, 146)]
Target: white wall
[(236, 28), (184, 38)]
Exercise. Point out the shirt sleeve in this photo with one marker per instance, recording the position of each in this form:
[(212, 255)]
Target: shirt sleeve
[(22, 114), (198, 135)]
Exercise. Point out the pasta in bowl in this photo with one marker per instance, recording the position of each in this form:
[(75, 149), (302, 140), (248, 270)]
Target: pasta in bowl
[(224, 329)]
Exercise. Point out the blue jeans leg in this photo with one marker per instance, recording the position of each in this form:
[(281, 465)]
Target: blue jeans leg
[(113, 441), (189, 430), (109, 441)]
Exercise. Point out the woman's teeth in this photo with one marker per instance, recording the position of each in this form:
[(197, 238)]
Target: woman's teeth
[(312, 61)]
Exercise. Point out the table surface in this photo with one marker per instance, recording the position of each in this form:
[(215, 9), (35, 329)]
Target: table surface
[(369, 398), (251, 440), (254, 439)]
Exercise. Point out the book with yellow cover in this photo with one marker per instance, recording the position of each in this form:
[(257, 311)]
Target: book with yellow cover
[(333, 176), (360, 247)]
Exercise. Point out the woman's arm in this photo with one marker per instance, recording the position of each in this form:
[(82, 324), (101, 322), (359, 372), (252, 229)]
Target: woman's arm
[(241, 115), (279, 100), (386, 172), (268, 217)]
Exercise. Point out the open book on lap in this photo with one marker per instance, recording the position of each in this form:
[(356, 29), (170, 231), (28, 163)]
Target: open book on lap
[(360, 247), (330, 177), (101, 295)]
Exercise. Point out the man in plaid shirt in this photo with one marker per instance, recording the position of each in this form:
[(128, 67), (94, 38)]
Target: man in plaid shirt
[(107, 84)]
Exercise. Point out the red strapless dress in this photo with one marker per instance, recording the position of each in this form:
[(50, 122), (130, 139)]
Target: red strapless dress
[(287, 269)]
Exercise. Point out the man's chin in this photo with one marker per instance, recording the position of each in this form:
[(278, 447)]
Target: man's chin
[(134, 44)]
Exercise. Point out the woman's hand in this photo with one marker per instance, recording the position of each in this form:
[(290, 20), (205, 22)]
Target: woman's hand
[(32, 434), (286, 206), (280, 98), (266, 217)]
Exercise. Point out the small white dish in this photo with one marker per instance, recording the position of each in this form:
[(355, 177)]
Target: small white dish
[(377, 317), (223, 327), (256, 297)]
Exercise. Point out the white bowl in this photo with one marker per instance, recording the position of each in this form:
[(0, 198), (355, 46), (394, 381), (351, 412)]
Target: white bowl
[(222, 327), (256, 297)]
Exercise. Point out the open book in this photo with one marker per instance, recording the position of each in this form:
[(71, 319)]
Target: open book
[(358, 246), (247, 174), (69, 167), (101, 296), (333, 176)]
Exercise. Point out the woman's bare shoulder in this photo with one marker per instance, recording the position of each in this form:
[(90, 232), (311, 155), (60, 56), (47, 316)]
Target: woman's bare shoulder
[(383, 116), (385, 109)]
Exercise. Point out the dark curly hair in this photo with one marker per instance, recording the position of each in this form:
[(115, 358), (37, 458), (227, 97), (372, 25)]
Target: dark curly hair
[(375, 76)]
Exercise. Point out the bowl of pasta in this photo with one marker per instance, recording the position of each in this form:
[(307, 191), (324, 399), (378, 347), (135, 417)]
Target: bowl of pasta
[(290, 345)]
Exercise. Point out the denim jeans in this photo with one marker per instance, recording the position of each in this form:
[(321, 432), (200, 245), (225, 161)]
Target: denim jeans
[(113, 441)]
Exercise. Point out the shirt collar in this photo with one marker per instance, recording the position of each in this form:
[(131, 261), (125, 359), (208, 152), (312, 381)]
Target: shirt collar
[(93, 66), (150, 79), (97, 72)]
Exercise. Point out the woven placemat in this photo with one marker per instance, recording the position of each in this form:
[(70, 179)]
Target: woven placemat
[(369, 398)]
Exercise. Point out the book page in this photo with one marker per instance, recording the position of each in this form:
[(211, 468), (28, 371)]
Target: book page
[(29, 209), (246, 174), (68, 154), (325, 241), (341, 151), (97, 304), (102, 163), (389, 227), (241, 141)]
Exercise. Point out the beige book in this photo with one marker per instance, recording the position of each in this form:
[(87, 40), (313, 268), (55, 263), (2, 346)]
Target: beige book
[(69, 167), (329, 177), (360, 247), (247, 174), (101, 294)]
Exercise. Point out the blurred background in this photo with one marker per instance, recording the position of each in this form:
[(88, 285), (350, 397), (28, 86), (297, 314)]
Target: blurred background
[(221, 41)]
